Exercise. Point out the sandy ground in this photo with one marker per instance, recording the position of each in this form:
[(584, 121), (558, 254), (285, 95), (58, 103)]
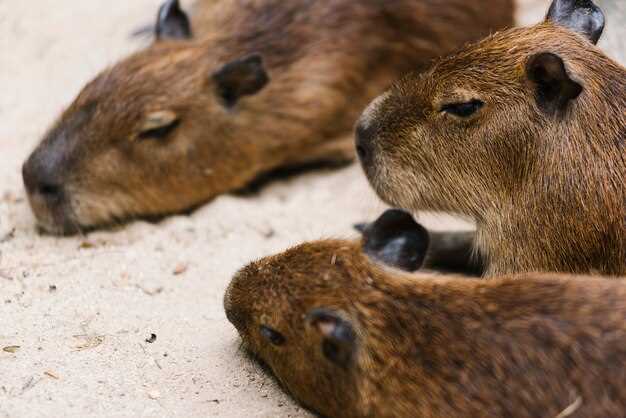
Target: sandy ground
[(75, 313)]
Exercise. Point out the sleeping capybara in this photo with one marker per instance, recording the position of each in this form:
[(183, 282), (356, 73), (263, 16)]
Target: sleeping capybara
[(254, 86)]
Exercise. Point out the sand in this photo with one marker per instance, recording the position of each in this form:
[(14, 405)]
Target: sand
[(77, 314)]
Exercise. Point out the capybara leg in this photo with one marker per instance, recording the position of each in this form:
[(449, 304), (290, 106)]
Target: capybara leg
[(454, 252)]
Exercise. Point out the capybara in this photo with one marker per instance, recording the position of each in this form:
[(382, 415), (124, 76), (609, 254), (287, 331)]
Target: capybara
[(350, 337), (525, 132), (252, 86)]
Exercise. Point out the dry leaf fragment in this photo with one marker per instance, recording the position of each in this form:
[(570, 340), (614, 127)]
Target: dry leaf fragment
[(89, 342), (180, 269)]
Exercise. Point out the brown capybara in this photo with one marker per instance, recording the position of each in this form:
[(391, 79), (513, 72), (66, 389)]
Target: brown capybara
[(350, 338), (263, 84), (525, 132)]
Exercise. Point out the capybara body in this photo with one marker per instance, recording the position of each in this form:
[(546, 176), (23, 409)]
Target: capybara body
[(254, 86), (525, 132), (350, 338)]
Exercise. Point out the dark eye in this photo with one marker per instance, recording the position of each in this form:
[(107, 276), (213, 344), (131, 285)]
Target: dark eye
[(273, 336), (463, 110), (161, 132)]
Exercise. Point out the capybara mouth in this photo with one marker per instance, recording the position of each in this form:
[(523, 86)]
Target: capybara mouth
[(53, 216)]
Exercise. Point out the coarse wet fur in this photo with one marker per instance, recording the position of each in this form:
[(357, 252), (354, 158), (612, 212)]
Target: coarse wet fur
[(525, 132), (351, 338), (251, 86)]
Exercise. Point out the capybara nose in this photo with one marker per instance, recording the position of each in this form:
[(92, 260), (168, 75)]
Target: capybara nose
[(364, 138), (234, 313), (42, 179), (234, 316)]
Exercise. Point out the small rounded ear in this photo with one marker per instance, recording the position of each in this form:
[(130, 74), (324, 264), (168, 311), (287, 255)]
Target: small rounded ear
[(337, 334), (172, 22), (581, 16), (239, 78), (553, 87), (396, 240)]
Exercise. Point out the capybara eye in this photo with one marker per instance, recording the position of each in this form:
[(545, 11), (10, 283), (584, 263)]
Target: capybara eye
[(160, 132), (158, 125), (463, 110), (273, 336)]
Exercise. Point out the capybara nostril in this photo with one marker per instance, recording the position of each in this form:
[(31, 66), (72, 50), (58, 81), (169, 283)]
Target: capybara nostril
[(234, 312), (41, 178), (51, 192), (233, 315), (364, 139), (361, 151), (28, 176)]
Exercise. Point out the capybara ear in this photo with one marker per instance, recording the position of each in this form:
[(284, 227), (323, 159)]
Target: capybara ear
[(581, 16), (553, 87), (396, 240), (242, 77), (172, 22), (337, 334)]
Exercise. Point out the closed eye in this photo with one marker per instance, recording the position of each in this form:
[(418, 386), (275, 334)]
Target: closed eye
[(160, 132), (273, 336), (463, 110)]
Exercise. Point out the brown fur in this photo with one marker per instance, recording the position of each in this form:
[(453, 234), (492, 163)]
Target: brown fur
[(325, 59), (547, 191), (529, 346)]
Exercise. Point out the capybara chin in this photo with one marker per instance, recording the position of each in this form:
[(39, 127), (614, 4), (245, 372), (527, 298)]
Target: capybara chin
[(525, 132), (251, 86), (350, 338)]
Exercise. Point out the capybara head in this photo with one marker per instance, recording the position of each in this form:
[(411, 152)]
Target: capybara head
[(518, 110), (273, 304), (132, 141), (276, 306)]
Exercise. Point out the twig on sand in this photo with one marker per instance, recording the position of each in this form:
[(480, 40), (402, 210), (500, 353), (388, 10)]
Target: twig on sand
[(51, 375)]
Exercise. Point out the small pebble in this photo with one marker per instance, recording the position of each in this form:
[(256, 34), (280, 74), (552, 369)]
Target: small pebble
[(180, 269)]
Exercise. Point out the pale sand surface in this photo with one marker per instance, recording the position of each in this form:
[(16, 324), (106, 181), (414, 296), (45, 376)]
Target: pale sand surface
[(82, 346)]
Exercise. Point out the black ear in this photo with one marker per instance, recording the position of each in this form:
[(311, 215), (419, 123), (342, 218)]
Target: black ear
[(172, 22), (242, 77), (396, 239), (554, 89), (338, 336), (581, 16)]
